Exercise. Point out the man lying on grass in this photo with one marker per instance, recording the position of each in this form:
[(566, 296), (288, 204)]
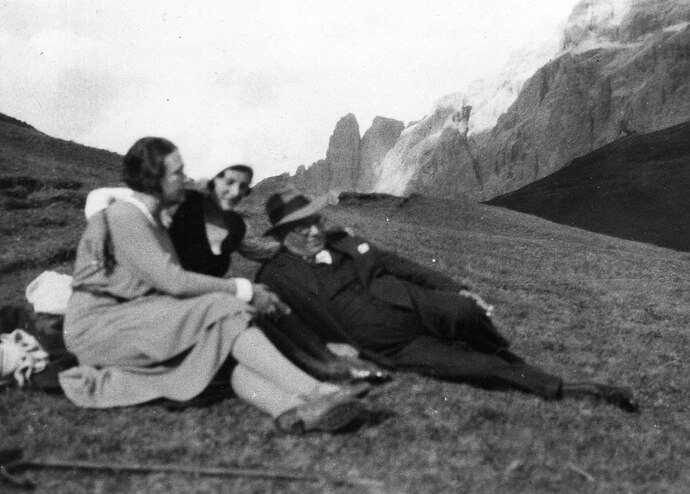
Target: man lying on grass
[(343, 288)]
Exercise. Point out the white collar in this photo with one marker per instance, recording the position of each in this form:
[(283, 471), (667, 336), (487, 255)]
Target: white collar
[(323, 257)]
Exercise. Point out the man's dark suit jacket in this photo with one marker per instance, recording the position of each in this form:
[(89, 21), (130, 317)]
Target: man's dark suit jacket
[(299, 287)]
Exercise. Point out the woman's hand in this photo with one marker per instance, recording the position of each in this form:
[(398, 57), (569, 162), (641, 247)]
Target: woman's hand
[(267, 302)]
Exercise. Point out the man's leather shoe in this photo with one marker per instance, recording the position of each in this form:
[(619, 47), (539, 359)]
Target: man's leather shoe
[(614, 395), (326, 414), (618, 396)]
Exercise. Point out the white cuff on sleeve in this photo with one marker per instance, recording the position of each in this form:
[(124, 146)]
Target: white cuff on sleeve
[(243, 289)]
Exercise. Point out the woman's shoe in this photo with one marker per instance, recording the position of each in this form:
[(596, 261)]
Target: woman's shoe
[(343, 391), (326, 414), (352, 390)]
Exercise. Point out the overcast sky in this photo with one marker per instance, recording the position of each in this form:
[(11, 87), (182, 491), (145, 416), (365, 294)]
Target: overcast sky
[(260, 82)]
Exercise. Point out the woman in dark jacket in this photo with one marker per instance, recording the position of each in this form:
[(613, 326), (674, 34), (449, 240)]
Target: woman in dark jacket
[(206, 229)]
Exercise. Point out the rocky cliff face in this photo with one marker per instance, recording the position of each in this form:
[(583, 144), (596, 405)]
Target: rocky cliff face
[(349, 160), (583, 101), (623, 69), (593, 22), (340, 169), (619, 67), (376, 142), (343, 154)]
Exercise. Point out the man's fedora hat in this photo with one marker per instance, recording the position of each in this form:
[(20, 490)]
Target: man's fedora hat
[(289, 206)]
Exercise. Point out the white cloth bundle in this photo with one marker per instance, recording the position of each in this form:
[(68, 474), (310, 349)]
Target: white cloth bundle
[(49, 292)]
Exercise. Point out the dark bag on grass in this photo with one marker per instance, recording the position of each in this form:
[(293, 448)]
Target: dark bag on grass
[(47, 329)]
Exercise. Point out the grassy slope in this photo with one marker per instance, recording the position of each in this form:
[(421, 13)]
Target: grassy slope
[(43, 185), (581, 304), (634, 188)]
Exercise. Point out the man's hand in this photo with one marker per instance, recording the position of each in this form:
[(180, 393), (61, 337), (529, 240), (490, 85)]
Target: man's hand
[(267, 302), (483, 304)]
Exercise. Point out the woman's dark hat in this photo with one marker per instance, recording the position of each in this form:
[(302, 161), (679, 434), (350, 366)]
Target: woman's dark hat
[(289, 206)]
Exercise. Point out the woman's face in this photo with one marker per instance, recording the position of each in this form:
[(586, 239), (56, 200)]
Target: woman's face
[(230, 188), (174, 179)]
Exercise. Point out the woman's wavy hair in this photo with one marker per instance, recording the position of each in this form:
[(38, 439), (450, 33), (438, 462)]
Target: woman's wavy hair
[(142, 166)]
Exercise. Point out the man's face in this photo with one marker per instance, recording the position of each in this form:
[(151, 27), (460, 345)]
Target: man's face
[(230, 188), (306, 238)]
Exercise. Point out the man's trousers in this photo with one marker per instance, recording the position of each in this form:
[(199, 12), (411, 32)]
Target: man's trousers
[(452, 338)]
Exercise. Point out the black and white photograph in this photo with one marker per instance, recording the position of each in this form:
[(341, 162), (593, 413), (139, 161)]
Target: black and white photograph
[(383, 246)]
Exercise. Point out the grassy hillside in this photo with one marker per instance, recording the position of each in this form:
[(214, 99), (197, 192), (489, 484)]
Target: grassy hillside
[(634, 188), (580, 304), (43, 186)]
